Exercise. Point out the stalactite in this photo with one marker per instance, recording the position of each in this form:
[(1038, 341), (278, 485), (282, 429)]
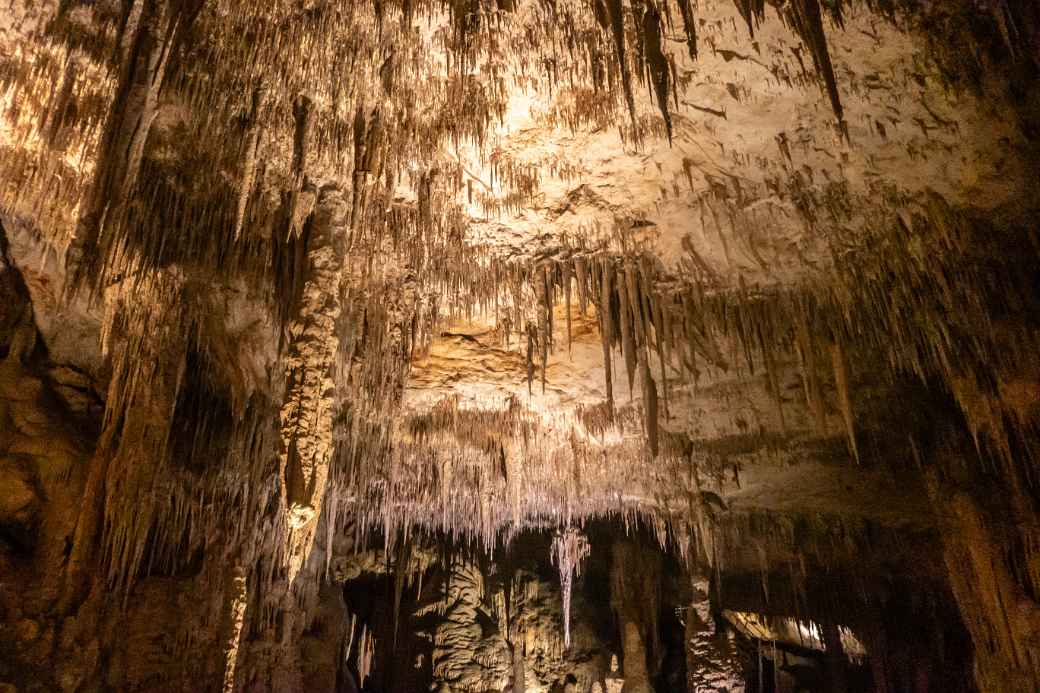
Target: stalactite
[(689, 26), (841, 382), (303, 117), (636, 308), (567, 302), (656, 62), (753, 12), (133, 111), (627, 328), (545, 327), (616, 15), (531, 339), (606, 327), (581, 276), (250, 145), (662, 336), (569, 548), (810, 377), (807, 19), (306, 417), (120, 509), (650, 407), (404, 555), (766, 346)]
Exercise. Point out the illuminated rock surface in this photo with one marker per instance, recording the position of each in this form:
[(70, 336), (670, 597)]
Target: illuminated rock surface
[(468, 346)]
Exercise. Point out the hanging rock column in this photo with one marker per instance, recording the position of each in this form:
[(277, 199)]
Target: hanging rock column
[(307, 413)]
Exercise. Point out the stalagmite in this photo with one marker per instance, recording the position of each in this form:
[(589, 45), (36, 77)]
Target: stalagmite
[(236, 622)]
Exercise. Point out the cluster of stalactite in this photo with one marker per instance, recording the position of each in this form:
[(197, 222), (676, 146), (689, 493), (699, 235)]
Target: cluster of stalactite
[(261, 93), (990, 539), (143, 212), (189, 446), (472, 473), (907, 294), (914, 286), (178, 148), (158, 220), (773, 565)]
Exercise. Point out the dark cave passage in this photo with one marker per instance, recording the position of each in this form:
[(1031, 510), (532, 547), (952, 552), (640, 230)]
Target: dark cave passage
[(435, 616)]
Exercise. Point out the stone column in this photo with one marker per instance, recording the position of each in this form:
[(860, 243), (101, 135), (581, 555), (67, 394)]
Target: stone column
[(307, 412), (637, 678), (711, 660), (631, 577)]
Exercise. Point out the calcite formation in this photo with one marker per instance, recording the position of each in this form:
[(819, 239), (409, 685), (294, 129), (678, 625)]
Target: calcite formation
[(459, 346)]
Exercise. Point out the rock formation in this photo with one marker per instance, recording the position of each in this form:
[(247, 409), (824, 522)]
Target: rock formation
[(465, 346)]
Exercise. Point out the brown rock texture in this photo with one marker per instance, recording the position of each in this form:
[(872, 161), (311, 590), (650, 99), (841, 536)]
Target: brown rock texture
[(320, 319)]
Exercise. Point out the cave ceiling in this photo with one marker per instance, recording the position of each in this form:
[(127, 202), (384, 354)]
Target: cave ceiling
[(304, 302), (581, 258)]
